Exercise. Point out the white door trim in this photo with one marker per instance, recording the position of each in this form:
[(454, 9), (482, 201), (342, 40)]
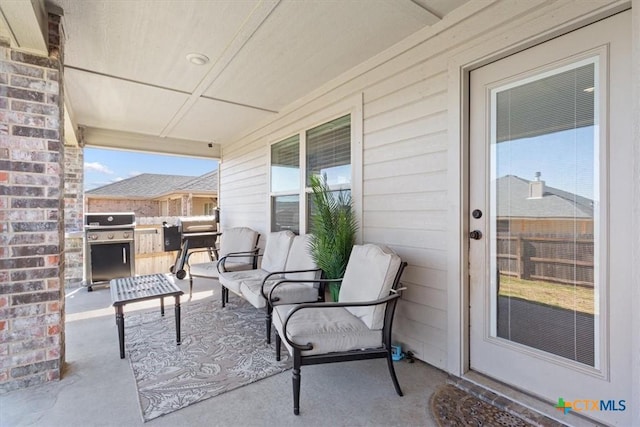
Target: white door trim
[(635, 320)]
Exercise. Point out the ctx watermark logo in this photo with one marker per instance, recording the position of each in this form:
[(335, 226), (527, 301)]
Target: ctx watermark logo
[(581, 405)]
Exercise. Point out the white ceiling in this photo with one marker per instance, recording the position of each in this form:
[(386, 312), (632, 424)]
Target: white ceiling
[(126, 71)]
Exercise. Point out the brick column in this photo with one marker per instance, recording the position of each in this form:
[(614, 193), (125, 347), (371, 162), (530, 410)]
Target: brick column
[(73, 216), (31, 216)]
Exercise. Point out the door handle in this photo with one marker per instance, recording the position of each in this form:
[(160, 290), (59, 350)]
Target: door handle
[(475, 235)]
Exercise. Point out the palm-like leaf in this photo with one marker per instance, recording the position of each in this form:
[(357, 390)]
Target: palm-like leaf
[(334, 229)]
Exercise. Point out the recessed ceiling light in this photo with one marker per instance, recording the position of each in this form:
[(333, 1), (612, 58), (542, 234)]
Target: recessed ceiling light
[(197, 58)]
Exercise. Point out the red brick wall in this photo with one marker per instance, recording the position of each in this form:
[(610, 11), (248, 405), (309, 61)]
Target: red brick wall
[(140, 207), (31, 217)]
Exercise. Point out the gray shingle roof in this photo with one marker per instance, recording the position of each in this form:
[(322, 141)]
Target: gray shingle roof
[(150, 185), (204, 183), (555, 203)]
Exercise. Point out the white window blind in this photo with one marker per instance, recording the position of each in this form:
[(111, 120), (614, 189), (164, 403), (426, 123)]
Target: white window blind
[(329, 151), (285, 165), (552, 104)]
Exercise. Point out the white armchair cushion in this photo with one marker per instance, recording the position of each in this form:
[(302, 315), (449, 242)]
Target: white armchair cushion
[(287, 292), (300, 259), (204, 269), (210, 269), (369, 276), (237, 239), (329, 329), (232, 279), (276, 250)]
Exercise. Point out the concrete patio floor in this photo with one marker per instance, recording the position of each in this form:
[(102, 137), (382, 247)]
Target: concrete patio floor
[(98, 387)]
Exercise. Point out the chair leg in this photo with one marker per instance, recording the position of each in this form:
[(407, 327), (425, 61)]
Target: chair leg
[(268, 320), (190, 286), (278, 346), (224, 293), (392, 371), (296, 382)]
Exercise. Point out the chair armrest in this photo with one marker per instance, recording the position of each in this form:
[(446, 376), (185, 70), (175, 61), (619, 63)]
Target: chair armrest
[(198, 251), (299, 307), (274, 273), (252, 253), (270, 299)]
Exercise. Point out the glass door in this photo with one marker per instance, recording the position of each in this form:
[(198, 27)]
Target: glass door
[(543, 211), (547, 312)]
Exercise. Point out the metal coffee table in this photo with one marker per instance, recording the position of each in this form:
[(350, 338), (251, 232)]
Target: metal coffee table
[(142, 288)]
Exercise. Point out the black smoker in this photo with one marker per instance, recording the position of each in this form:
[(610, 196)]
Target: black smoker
[(191, 233), (110, 246)]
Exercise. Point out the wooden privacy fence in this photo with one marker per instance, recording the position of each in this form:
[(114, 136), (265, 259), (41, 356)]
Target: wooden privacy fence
[(150, 255), (566, 260)]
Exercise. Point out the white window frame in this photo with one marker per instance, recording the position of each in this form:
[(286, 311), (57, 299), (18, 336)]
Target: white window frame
[(351, 106), (204, 208)]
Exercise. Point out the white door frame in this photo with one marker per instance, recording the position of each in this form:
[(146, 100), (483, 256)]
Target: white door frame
[(536, 31)]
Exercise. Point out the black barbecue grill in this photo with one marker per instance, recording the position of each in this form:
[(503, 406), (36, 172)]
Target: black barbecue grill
[(110, 246), (190, 233)]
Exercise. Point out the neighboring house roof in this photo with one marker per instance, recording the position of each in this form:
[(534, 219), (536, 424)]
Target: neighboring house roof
[(150, 186), (207, 183), (554, 203)]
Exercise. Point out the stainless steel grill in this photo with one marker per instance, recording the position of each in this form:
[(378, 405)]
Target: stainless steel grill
[(110, 246), (190, 233)]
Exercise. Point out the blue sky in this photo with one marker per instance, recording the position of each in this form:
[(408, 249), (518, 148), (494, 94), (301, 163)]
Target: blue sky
[(102, 167), (565, 159)]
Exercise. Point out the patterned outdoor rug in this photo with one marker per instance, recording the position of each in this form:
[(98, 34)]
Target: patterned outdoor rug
[(222, 349), (451, 406)]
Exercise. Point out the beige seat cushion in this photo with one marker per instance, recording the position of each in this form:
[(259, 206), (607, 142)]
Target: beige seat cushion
[(287, 292), (328, 329), (232, 279), (210, 269)]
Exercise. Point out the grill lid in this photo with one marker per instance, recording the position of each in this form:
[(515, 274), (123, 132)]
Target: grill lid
[(198, 224), (109, 219)]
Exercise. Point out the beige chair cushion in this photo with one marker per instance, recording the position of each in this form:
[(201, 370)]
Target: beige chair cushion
[(232, 279), (329, 329), (287, 292), (274, 259), (369, 276), (276, 250), (299, 258), (238, 239), (210, 269)]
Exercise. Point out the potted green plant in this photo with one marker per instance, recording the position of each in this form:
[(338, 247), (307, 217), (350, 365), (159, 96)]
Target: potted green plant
[(334, 228)]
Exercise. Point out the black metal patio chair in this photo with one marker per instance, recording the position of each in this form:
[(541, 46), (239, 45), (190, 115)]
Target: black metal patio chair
[(357, 327)]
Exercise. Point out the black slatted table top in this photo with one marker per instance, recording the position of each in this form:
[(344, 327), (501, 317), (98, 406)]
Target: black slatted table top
[(140, 288)]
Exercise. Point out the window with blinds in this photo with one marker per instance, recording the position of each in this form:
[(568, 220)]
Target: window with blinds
[(285, 165), (327, 152)]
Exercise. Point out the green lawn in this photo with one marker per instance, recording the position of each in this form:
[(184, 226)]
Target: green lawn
[(554, 294)]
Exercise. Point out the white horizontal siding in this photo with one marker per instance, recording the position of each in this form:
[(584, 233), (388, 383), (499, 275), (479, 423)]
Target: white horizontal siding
[(405, 151)]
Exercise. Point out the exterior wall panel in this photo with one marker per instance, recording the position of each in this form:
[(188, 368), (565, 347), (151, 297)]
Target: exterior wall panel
[(406, 155)]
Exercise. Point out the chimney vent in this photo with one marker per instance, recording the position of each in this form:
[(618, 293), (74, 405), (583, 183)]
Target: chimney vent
[(536, 188)]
